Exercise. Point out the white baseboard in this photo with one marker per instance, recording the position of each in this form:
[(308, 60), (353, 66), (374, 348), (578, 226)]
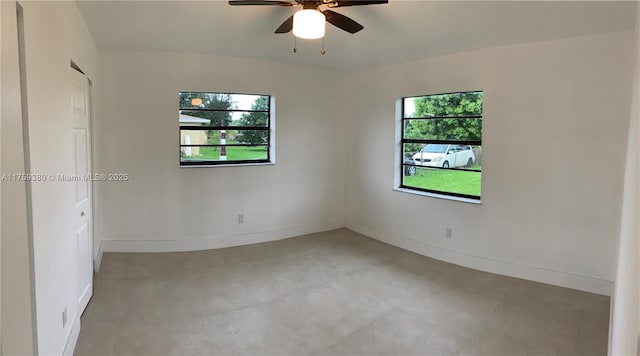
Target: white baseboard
[(537, 274), (98, 258), (72, 339), (217, 242)]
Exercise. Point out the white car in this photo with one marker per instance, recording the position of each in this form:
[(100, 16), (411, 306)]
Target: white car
[(445, 156)]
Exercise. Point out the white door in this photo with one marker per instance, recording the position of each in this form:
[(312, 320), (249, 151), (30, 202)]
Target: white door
[(82, 166)]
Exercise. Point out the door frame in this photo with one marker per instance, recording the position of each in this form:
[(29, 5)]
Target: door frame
[(91, 170)]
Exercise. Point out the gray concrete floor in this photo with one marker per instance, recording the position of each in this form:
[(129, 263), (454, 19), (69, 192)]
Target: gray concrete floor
[(336, 293)]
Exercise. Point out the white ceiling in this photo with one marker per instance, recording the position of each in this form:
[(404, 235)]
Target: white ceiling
[(397, 32)]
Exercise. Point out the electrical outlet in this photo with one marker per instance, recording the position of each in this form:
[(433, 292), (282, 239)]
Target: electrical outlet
[(447, 233), (64, 318), (240, 218)]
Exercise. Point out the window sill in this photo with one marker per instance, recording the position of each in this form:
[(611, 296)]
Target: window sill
[(228, 165), (439, 196)]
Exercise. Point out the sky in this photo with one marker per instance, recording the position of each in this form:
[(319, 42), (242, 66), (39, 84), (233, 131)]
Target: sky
[(242, 101)]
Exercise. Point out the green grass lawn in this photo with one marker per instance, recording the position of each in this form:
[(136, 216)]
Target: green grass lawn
[(460, 182), (234, 153)]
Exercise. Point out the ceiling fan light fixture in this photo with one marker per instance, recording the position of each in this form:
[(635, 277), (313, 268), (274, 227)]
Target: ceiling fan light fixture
[(309, 24)]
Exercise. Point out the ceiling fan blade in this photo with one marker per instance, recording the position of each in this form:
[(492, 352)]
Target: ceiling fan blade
[(286, 26), (342, 22), (260, 2), (342, 3)]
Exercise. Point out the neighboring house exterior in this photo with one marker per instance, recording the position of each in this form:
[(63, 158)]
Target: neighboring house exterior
[(192, 137)]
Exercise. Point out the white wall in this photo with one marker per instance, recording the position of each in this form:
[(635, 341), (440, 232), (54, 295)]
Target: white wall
[(55, 33), (165, 207), (554, 134), (555, 120), (626, 305), (17, 325)]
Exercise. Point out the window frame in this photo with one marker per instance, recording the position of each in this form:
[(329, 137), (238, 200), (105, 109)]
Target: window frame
[(402, 141), (270, 129)]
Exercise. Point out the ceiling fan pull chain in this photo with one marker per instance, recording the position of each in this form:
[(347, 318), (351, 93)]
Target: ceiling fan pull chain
[(322, 51), (295, 45)]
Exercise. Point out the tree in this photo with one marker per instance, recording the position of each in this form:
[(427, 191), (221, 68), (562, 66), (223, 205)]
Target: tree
[(256, 118), (457, 104), (209, 101)]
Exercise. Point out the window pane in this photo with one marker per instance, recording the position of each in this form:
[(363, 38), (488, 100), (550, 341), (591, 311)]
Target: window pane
[(455, 104), (245, 118), (220, 101), (443, 180), (233, 136), (444, 129), (217, 118), (197, 137), (223, 101), (212, 124), (431, 165), (233, 153), (204, 118), (443, 155), (250, 102)]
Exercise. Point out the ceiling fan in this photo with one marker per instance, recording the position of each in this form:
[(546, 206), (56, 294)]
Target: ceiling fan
[(309, 21)]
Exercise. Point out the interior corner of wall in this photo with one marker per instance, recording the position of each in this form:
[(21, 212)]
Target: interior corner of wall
[(98, 257)]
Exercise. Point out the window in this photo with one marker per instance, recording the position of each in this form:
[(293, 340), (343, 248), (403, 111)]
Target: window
[(224, 129), (441, 144)]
